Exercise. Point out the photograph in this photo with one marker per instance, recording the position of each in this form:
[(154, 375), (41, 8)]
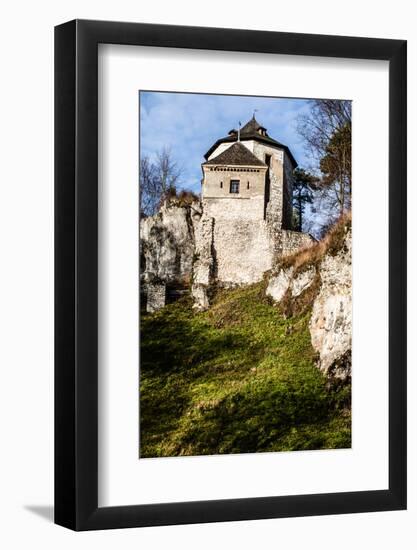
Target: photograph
[(245, 274), (208, 337)]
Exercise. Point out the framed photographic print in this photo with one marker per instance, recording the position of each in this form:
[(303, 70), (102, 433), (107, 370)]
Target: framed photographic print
[(230, 275)]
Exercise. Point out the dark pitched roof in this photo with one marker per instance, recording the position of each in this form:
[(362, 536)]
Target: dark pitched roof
[(251, 127), (251, 131), (237, 154)]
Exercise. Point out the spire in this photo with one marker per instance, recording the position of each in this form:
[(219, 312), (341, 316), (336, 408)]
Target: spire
[(253, 127), (251, 130)]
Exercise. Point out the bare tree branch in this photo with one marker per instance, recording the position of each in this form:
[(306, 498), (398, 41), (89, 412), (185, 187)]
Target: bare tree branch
[(326, 131), (157, 180)]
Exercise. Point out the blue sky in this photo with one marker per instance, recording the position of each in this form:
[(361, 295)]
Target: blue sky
[(189, 124)]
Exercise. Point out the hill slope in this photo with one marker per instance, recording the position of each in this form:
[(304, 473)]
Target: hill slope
[(240, 377)]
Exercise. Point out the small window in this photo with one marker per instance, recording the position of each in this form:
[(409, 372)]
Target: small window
[(248, 185), (221, 185), (234, 186), (268, 160)]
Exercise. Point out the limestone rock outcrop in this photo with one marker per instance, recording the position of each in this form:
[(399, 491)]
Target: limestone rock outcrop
[(329, 268), (331, 319), (204, 263), (167, 245), (279, 284)]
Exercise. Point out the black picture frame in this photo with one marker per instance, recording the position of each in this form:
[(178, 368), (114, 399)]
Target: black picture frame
[(76, 272)]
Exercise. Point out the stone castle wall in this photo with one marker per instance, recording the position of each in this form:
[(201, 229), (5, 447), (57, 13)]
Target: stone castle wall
[(155, 296), (287, 190), (228, 239), (292, 241), (243, 251), (186, 245), (238, 252), (279, 208), (274, 207), (216, 182), (235, 208)]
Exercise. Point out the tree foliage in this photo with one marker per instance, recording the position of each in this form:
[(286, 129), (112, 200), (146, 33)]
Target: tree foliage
[(325, 116), (327, 133), (336, 168), (303, 185)]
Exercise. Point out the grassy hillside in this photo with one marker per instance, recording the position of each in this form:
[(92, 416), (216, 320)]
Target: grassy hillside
[(237, 378)]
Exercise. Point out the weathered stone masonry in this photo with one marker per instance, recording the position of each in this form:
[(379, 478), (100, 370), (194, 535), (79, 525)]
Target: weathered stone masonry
[(235, 234), (247, 192), (167, 248)]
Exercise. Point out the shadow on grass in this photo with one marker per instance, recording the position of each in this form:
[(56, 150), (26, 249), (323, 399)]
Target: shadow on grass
[(178, 349), (234, 381), (171, 341)]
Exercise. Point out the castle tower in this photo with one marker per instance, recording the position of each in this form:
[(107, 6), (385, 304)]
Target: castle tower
[(249, 165), (246, 218)]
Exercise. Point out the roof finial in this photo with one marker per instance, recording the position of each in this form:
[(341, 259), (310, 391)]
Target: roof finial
[(238, 131), (254, 111)]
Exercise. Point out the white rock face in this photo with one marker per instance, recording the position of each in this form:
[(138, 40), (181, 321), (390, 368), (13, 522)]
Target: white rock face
[(331, 319), (167, 250), (302, 281), (203, 269), (286, 280), (279, 284), (155, 297), (167, 242), (199, 294)]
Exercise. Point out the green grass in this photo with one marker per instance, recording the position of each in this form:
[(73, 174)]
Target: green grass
[(237, 378)]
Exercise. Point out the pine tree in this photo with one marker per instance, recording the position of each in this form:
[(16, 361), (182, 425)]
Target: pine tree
[(303, 185)]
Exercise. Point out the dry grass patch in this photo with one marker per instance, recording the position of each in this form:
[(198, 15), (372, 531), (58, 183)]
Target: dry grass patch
[(312, 255)]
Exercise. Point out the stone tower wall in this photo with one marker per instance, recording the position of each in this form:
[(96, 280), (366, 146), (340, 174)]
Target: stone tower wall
[(279, 208), (280, 195), (238, 208), (243, 251), (216, 182), (287, 206)]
